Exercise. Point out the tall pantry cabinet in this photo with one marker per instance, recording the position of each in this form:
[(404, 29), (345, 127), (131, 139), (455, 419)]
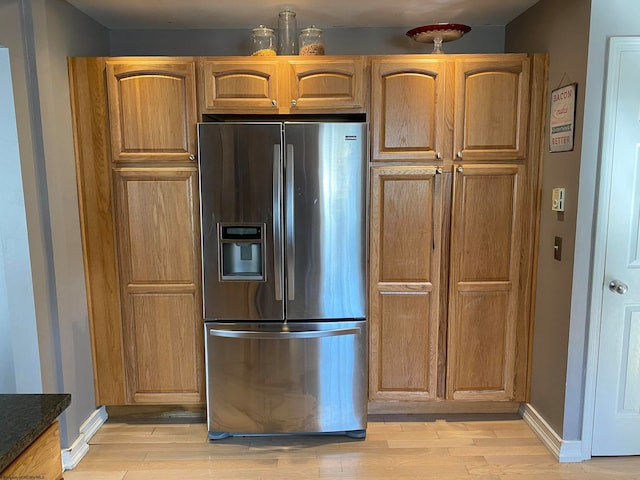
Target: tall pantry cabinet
[(135, 123), (455, 147)]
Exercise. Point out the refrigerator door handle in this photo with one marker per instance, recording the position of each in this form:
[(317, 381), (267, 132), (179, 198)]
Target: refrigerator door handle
[(291, 247), (247, 334), (277, 222)]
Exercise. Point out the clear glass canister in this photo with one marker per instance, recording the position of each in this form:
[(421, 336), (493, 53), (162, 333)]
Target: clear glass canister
[(263, 41), (287, 33), (311, 42)]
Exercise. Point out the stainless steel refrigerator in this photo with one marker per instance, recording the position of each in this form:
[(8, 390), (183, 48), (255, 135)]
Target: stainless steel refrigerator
[(283, 209)]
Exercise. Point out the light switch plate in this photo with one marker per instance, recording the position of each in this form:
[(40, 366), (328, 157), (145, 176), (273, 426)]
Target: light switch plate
[(557, 248), (557, 200)]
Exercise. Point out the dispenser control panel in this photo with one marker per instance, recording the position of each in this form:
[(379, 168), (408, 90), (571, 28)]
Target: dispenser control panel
[(241, 252)]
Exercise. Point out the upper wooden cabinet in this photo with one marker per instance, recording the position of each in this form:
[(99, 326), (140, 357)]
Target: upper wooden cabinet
[(152, 109), (282, 85), (492, 107), (239, 85), (462, 107), (333, 84), (410, 119)]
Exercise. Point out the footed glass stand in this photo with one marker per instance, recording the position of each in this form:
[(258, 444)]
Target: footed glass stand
[(438, 33), (437, 45)]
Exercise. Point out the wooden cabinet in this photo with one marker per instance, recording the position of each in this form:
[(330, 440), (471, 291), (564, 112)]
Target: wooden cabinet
[(450, 300), (486, 238), (471, 108), (152, 109), (282, 85), (405, 288), (41, 460), (239, 85), (451, 251), (491, 105), (157, 228), (410, 117), (135, 123), (329, 85)]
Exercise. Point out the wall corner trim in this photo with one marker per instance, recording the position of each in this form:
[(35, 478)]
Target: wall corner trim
[(565, 451), (71, 456)]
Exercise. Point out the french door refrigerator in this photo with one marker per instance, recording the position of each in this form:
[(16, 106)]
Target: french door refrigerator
[(284, 260)]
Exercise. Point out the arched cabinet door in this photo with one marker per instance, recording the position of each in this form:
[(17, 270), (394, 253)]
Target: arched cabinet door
[(152, 109), (492, 107), (239, 85), (329, 84), (408, 109)]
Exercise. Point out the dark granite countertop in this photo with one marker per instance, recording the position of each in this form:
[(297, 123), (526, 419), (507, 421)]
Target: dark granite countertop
[(23, 417)]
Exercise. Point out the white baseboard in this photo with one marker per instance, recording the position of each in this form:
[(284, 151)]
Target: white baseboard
[(566, 451), (71, 456)]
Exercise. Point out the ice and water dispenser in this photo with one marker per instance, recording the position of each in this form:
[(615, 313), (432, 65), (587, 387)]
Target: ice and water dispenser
[(241, 251)]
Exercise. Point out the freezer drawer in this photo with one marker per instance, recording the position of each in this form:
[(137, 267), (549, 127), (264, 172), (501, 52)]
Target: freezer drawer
[(265, 378)]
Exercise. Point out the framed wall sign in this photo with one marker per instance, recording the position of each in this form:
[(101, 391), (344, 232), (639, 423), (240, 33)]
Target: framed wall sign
[(562, 122)]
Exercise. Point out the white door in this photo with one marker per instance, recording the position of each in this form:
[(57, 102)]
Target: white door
[(616, 428)]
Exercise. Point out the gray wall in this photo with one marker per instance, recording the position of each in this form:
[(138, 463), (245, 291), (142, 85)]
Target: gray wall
[(39, 38), (19, 356), (545, 28), (338, 41)]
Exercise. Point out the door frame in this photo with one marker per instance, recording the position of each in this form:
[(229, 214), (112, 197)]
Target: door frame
[(617, 45)]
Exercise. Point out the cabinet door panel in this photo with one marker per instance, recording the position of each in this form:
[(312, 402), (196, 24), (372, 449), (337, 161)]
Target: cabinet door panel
[(152, 109), (159, 232), (329, 85), (163, 323), (406, 225), (404, 353), (408, 105), (492, 107), (159, 250), (406, 229), (486, 237), (240, 86), (481, 358)]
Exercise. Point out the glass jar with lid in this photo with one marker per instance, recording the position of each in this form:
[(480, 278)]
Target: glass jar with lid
[(287, 30), (263, 41), (311, 41)]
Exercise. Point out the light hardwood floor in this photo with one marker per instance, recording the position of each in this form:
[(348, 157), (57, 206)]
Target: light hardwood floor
[(489, 447)]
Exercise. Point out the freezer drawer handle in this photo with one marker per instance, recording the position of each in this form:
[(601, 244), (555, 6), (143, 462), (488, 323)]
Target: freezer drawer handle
[(213, 332)]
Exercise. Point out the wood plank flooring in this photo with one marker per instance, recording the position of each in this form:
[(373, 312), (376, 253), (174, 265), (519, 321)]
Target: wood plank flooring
[(412, 447)]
